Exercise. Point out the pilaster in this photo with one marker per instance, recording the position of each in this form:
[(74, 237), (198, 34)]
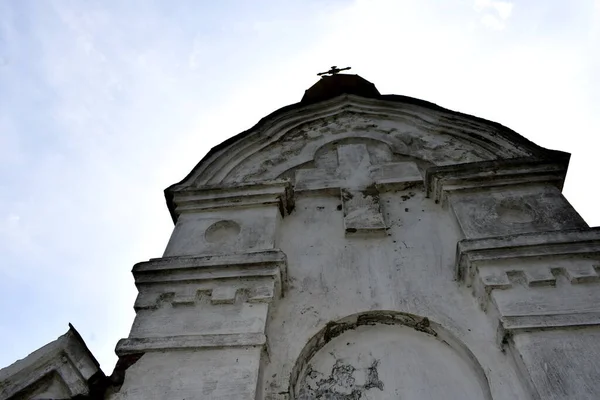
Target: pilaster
[(496, 198), (204, 306), (533, 265), (544, 291)]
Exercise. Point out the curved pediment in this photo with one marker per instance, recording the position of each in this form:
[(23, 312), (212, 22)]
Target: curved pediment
[(391, 128), (286, 140)]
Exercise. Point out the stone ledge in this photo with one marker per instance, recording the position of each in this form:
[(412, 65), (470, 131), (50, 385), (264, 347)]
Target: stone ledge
[(439, 181), (175, 269), (143, 345), (516, 323), (206, 198), (254, 277), (503, 277), (473, 252), (543, 308), (225, 292), (535, 281)]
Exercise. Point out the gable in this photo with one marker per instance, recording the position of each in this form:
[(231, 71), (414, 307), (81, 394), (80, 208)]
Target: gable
[(62, 369), (393, 128)]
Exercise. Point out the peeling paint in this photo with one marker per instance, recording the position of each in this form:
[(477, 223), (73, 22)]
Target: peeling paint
[(341, 384)]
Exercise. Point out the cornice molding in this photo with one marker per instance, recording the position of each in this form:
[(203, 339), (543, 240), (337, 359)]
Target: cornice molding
[(218, 197), (256, 139), (495, 139), (191, 342), (254, 277), (444, 180), (537, 244), (209, 267), (527, 267)]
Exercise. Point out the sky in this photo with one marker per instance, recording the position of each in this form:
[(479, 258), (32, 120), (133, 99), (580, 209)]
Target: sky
[(103, 104)]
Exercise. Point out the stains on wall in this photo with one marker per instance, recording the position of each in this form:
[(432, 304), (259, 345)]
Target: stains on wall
[(509, 211), (408, 136), (343, 382), (385, 355)]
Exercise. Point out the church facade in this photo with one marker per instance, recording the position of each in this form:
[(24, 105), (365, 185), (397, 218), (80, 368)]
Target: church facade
[(356, 246)]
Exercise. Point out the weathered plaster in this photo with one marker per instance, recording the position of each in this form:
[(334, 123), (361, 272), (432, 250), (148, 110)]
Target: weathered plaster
[(291, 138), (560, 364), (214, 373), (366, 203), (409, 271), (381, 358), (249, 229), (62, 369), (513, 210), (360, 248)]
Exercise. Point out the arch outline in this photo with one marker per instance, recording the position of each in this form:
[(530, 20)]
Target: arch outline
[(333, 329)]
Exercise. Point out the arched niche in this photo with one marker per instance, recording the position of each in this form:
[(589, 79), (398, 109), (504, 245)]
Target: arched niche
[(387, 355)]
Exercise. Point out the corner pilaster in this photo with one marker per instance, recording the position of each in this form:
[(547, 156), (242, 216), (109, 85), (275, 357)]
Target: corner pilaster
[(533, 264), (544, 291), (202, 308)]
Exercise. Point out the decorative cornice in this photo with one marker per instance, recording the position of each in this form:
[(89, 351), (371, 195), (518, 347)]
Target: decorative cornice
[(515, 324), (538, 244), (495, 140), (264, 292), (534, 261), (181, 269), (143, 345), (274, 126), (254, 277), (442, 180), (215, 197)]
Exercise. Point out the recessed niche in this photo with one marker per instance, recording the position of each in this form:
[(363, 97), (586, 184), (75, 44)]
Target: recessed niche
[(389, 362), (513, 211), (386, 355), (222, 232)]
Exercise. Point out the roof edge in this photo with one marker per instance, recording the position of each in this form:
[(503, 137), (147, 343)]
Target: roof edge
[(542, 152)]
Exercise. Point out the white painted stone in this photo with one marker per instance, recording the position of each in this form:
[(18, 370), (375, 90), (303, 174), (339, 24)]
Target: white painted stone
[(390, 362), (560, 364), (289, 140), (506, 211), (226, 373), (367, 248), (200, 319), (249, 229), (61, 369), (52, 386), (411, 271)]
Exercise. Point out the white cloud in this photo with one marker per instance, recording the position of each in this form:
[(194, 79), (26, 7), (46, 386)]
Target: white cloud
[(503, 8), (493, 22), (494, 13)]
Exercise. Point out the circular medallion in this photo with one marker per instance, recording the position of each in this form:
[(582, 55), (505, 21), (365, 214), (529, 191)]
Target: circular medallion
[(512, 211), (222, 232)]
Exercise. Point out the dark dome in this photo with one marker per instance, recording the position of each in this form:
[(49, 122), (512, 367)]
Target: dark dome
[(335, 85)]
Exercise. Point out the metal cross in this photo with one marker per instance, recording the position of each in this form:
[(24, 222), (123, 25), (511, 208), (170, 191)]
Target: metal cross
[(333, 71)]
